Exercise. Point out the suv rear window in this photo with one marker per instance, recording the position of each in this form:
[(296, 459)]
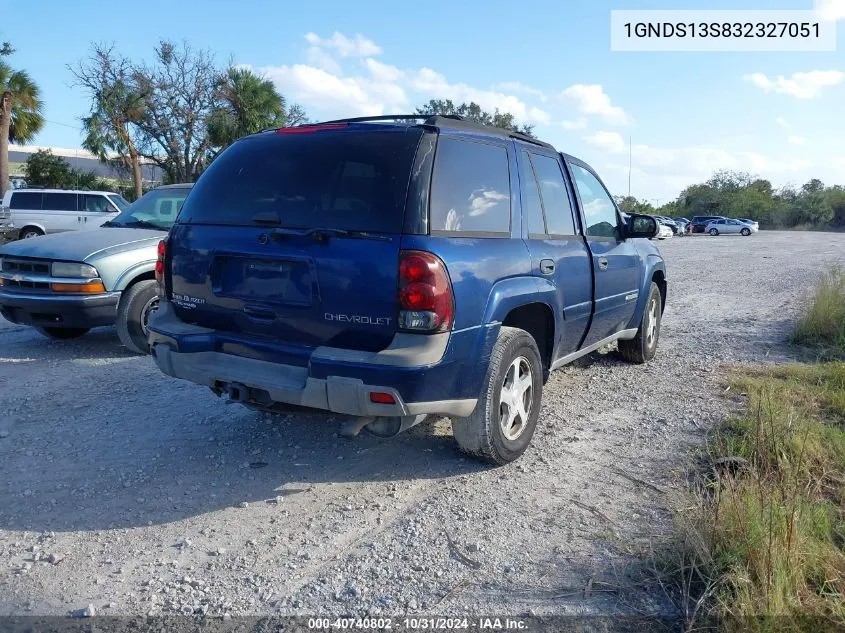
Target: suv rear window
[(354, 179)]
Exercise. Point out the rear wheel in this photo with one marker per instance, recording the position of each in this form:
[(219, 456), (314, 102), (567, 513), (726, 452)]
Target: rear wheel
[(643, 346), (133, 312), (746, 232), (714, 232), (63, 333), (503, 423), (28, 232)]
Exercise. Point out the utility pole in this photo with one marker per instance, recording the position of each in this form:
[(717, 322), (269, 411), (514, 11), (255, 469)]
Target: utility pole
[(630, 162)]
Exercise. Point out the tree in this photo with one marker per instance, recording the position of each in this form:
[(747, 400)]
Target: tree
[(20, 113), (117, 107), (179, 91), (43, 169), (629, 204), (473, 112), (247, 103)]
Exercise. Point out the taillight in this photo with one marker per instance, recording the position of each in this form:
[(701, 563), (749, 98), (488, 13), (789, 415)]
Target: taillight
[(426, 302), (162, 251)]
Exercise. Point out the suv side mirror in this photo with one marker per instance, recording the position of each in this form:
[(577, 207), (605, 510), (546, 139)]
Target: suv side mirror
[(640, 225)]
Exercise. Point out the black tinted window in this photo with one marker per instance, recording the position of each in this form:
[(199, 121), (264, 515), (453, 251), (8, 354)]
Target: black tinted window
[(559, 219), (350, 179), (60, 202), (470, 188), (26, 200), (532, 210)]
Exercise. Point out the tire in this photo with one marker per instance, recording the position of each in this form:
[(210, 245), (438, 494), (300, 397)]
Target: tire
[(643, 346), (136, 304), (28, 232), (746, 232), (714, 232), (486, 434), (63, 333)]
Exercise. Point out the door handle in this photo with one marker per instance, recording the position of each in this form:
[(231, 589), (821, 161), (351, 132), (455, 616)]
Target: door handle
[(602, 263), (259, 312), (547, 266)]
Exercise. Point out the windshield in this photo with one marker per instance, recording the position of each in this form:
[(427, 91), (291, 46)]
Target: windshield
[(355, 180), (119, 201), (156, 209)]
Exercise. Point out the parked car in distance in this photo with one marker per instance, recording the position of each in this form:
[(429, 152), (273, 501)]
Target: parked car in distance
[(36, 212), (729, 226), (683, 224), (391, 270), (67, 283), (7, 227), (664, 231), (699, 223), (753, 223), (670, 223)]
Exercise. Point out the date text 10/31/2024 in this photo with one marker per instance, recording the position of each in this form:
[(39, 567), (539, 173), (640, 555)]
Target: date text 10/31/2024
[(418, 624)]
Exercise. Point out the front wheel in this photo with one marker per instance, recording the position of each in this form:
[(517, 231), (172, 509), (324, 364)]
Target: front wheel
[(63, 333), (28, 232), (503, 423), (133, 312), (746, 232), (714, 232), (643, 346)]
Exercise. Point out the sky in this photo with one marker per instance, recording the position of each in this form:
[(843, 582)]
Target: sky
[(678, 115)]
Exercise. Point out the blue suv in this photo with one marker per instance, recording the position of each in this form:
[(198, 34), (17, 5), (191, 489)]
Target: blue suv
[(390, 269)]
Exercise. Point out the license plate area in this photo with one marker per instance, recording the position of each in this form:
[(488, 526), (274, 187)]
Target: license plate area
[(265, 280)]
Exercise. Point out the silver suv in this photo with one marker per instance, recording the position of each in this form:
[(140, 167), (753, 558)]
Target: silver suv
[(65, 284)]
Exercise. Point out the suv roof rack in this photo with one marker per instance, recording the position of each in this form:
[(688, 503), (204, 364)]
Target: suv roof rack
[(448, 121)]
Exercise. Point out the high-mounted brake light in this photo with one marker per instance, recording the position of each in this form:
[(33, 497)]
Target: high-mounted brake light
[(426, 301), (306, 129)]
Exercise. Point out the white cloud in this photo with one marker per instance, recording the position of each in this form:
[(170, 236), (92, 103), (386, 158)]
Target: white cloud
[(482, 200), (805, 85), (796, 140), (358, 46), (316, 88), (578, 124), (592, 99), (319, 58), (782, 122), (831, 9), (608, 141), (518, 86)]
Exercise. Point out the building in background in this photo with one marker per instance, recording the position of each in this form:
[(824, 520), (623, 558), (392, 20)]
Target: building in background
[(80, 160)]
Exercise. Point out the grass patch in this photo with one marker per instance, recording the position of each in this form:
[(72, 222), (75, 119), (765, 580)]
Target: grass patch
[(763, 549), (823, 322)]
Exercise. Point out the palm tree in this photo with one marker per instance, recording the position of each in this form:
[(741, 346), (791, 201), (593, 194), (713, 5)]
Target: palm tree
[(247, 103), (20, 115)]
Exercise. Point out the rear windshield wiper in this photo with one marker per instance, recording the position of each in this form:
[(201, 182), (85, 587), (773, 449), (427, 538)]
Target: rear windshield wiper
[(324, 234)]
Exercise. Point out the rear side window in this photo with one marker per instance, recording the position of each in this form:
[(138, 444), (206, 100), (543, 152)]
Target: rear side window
[(60, 202), (353, 179), (26, 200), (470, 189), (559, 219)]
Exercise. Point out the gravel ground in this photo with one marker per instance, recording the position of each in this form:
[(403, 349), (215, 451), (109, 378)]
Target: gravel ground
[(133, 493)]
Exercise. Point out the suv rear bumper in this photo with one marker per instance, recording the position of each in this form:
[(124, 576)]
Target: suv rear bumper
[(338, 386), (71, 311)]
